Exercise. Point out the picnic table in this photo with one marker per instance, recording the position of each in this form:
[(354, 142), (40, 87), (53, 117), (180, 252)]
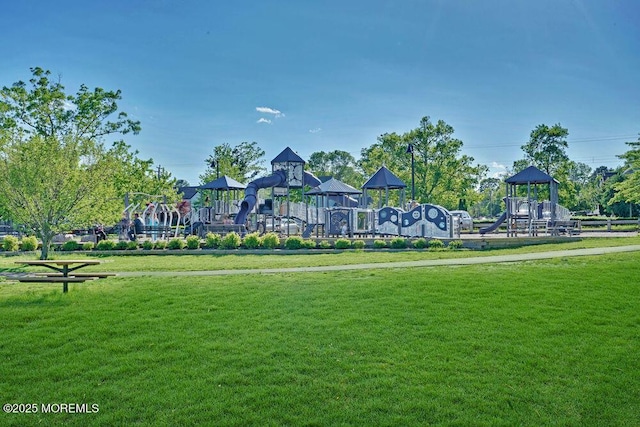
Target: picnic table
[(65, 271)]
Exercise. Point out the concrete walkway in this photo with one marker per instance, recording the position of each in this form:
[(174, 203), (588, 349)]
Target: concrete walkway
[(399, 264)]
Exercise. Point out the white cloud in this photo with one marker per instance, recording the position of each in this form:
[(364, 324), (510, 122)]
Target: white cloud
[(67, 105), (263, 120), (268, 110), (498, 170), (316, 130)]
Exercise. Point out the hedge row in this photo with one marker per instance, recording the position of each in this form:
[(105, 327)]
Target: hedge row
[(232, 241)]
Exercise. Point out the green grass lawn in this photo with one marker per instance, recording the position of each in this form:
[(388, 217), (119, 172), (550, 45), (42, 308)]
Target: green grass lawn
[(551, 342), (239, 259)]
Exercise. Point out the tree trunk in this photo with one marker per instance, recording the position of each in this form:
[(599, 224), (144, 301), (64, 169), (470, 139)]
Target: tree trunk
[(46, 245)]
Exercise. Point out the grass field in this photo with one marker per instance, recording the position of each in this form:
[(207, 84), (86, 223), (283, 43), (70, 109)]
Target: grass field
[(550, 342)]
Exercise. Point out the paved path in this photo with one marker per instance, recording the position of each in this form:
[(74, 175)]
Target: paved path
[(399, 264)]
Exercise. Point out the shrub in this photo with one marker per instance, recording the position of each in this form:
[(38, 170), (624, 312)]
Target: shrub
[(105, 245), (435, 244), (343, 244), (358, 244), (398, 243), (325, 245), (230, 241), (176, 243), (455, 244), (309, 244), (420, 243), (121, 245), (29, 243), (270, 241), (70, 245), (10, 244), (147, 245), (87, 246), (160, 244), (379, 244), (293, 242), (252, 241), (212, 241), (193, 242), (132, 246)]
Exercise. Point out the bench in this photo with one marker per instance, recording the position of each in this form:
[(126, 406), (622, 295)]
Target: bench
[(159, 231), (54, 279), (568, 227), (74, 274), (57, 279)]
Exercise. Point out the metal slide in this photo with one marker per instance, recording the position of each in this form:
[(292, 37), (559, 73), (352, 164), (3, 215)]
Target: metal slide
[(495, 225)]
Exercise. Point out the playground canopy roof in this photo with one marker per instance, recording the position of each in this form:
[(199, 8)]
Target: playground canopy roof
[(531, 175), (188, 192), (384, 178), (223, 183), (333, 187), (287, 155)]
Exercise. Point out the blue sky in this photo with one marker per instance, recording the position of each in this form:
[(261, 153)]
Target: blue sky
[(322, 76)]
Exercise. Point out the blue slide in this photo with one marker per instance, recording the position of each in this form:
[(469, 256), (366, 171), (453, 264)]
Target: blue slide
[(251, 192), (495, 225), (278, 178), (311, 180)]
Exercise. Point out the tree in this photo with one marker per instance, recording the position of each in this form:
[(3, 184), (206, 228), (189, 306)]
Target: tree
[(546, 148), (243, 162), (137, 177), (47, 111), (339, 164), (442, 175), (490, 203), (55, 174), (628, 189), (52, 186)]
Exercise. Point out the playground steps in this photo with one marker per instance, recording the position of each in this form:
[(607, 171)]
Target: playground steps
[(538, 226)]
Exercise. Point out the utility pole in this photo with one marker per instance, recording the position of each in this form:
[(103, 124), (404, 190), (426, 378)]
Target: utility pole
[(413, 172)]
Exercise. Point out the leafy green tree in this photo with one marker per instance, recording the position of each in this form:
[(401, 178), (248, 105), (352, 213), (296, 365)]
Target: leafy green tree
[(51, 186), (442, 175), (609, 198), (581, 192), (546, 148), (55, 173), (628, 189), (339, 164), (137, 177), (244, 162), (491, 191), (47, 110)]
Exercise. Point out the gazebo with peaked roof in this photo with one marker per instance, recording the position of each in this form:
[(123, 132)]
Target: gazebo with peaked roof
[(223, 183), (333, 187), (384, 179), (228, 185), (531, 177)]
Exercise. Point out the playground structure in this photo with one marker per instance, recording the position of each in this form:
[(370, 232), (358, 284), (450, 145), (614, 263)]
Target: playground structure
[(334, 208), (161, 220), (529, 216), (278, 202)]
